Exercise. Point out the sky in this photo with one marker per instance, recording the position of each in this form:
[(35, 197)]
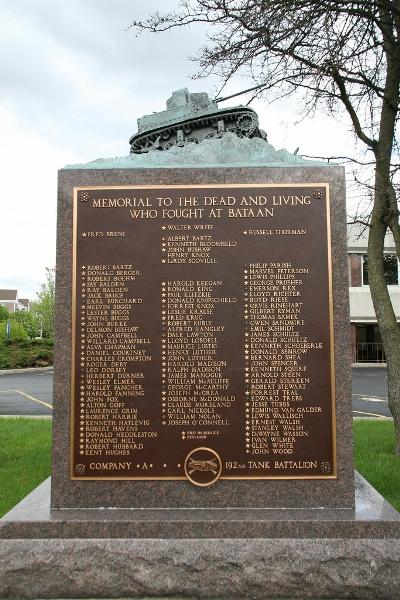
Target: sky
[(74, 79)]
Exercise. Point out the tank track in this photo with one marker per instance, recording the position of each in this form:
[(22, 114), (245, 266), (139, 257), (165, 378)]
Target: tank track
[(242, 121)]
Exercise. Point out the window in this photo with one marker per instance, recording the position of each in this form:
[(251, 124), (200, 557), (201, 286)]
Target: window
[(390, 265), (369, 347)]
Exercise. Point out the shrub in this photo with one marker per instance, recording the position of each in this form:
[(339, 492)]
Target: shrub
[(27, 353)]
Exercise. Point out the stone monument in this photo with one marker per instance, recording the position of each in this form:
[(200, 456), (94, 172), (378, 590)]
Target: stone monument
[(202, 394)]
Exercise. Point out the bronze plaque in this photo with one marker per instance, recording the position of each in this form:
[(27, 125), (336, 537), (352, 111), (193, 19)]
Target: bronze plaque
[(202, 333)]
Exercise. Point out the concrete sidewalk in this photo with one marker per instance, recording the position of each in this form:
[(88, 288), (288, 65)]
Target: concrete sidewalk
[(27, 370)]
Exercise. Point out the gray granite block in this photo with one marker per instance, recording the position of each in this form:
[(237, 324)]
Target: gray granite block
[(222, 568), (67, 493), (32, 518)]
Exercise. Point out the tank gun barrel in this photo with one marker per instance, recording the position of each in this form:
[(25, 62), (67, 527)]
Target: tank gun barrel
[(251, 89)]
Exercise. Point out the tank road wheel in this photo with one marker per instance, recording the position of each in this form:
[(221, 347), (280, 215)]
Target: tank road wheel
[(247, 124)]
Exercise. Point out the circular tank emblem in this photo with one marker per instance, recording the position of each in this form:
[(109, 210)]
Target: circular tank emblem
[(80, 469), (203, 467)]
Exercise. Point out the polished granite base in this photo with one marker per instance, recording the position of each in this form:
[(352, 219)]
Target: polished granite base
[(209, 553), (32, 518)]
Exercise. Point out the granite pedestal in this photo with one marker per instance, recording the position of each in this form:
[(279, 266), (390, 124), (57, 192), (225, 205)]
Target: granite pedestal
[(228, 553), (294, 493)]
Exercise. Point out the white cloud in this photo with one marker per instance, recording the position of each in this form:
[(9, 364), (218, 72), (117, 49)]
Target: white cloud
[(73, 83), (29, 171)]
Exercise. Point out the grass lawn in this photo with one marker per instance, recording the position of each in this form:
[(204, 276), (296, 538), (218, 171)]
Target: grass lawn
[(25, 446), (25, 458), (374, 457)]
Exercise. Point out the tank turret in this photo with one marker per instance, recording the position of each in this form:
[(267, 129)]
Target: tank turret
[(189, 119)]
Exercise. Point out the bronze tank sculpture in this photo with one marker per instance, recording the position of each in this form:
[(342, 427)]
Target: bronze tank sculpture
[(192, 118)]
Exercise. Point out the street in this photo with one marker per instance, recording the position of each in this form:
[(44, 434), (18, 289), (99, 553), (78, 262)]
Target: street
[(31, 393), (370, 392)]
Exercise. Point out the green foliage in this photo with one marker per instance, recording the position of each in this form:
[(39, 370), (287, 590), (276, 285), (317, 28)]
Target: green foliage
[(374, 443), (4, 314), (17, 332), (28, 320), (43, 309), (28, 353), (25, 458)]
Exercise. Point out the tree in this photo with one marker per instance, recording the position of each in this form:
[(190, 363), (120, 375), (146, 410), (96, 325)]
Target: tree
[(342, 55), (28, 321), (43, 309), (4, 314)]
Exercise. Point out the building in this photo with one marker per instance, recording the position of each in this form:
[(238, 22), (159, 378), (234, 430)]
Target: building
[(25, 302), (365, 336), (9, 299)]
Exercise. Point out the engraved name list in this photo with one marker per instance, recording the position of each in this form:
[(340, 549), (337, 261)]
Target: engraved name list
[(202, 333)]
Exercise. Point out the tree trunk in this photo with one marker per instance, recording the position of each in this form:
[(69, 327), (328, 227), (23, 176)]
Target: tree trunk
[(384, 214), (385, 315)]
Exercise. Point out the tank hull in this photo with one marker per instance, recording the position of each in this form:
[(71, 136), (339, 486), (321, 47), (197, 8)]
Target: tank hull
[(241, 120)]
